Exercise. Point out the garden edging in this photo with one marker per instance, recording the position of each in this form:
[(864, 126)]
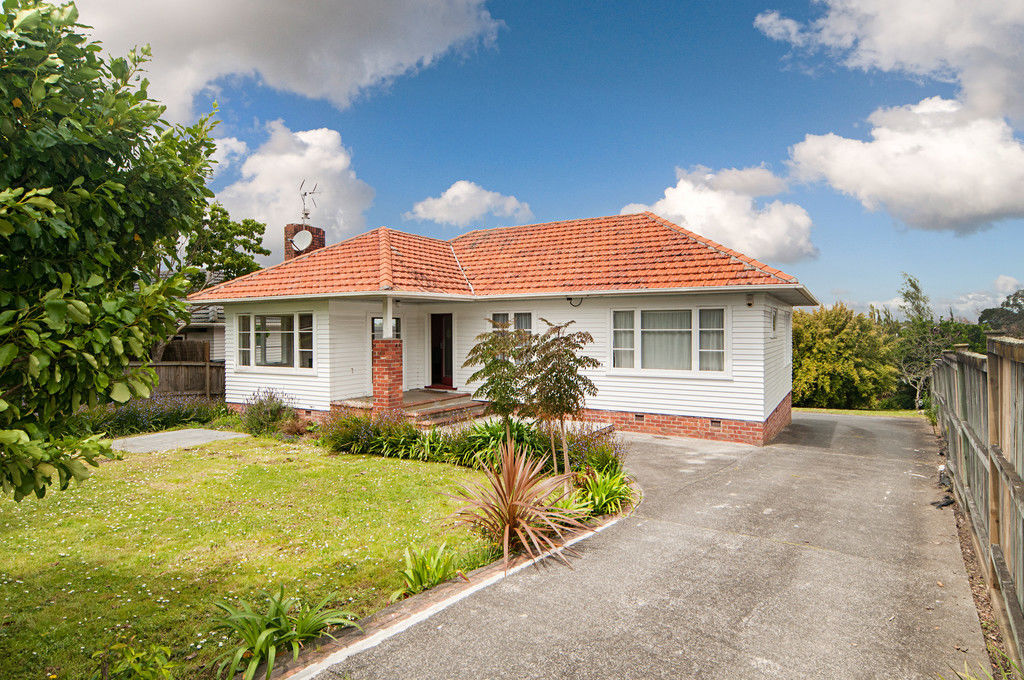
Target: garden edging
[(405, 614)]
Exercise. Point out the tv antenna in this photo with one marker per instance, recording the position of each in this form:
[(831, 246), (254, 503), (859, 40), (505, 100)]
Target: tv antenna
[(310, 195)]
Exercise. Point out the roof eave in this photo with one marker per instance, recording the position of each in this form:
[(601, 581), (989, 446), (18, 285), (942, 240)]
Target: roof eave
[(792, 293)]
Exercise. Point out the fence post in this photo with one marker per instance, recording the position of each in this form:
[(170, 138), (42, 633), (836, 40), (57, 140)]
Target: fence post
[(995, 491)]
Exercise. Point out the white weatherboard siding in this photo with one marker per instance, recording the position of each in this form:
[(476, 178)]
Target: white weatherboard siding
[(217, 344), (778, 359), (737, 394), (756, 377), (304, 387)]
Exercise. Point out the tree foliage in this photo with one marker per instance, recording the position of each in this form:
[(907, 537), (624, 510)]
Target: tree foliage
[(220, 245), (1008, 317), (504, 360), (93, 186), (840, 359)]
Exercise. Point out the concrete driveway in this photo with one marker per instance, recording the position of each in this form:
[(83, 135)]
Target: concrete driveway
[(816, 557), (172, 439)]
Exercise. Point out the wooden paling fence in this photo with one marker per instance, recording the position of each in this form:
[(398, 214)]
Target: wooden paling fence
[(192, 375), (980, 404)]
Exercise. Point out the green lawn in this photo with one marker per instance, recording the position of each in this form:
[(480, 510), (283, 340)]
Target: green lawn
[(148, 543), (894, 413)]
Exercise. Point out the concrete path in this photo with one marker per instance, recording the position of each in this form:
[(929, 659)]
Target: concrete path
[(175, 439), (816, 557)]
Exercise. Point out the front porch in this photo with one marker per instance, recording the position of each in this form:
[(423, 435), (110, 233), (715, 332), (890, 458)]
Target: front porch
[(424, 407)]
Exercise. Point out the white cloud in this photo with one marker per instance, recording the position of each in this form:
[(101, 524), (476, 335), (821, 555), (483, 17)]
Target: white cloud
[(269, 186), (1004, 285), (721, 206), (229, 150), (324, 49), (976, 43), (465, 202), (931, 165)]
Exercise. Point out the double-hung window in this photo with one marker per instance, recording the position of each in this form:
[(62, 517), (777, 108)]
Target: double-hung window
[(275, 340), (669, 339)]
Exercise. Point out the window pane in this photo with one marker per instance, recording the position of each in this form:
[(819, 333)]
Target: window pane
[(666, 319), (712, 340), (622, 320), (306, 322), (243, 323), (712, 318), (306, 341), (622, 339), (274, 349), (275, 323), (622, 358), (499, 318), (243, 357), (305, 359), (378, 326), (669, 350), (244, 339), (712, 361), (524, 321)]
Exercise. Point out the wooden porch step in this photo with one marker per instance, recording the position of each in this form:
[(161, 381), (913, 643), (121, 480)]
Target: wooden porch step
[(467, 409)]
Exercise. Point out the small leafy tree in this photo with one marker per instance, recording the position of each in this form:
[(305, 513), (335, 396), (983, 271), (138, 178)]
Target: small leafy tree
[(93, 186), (503, 356), (1008, 317), (840, 359), (920, 340), (556, 386), (216, 246)]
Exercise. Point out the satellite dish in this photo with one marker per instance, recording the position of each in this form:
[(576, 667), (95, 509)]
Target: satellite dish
[(302, 240)]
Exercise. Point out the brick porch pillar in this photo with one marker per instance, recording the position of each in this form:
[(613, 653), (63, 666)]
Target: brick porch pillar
[(387, 374)]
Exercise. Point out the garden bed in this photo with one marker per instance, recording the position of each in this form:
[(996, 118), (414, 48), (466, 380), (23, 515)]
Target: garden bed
[(148, 544)]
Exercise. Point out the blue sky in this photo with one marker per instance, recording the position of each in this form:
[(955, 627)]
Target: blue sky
[(543, 112)]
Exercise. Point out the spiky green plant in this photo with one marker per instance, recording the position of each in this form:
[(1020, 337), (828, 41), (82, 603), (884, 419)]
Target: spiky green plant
[(424, 569), (606, 491), (515, 507), (285, 624)]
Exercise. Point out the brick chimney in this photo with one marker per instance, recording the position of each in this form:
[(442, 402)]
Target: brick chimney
[(290, 230)]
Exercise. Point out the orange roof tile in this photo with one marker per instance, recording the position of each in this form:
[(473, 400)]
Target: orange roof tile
[(621, 252)]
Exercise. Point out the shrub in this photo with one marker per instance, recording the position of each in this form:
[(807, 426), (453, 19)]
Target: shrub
[(123, 662), (264, 411), (606, 492), (146, 415), (514, 508), (385, 434), (425, 569), (598, 449), (231, 421), (287, 623), (296, 427)]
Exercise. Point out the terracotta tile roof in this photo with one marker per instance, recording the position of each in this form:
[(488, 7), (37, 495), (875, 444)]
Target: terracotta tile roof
[(621, 252)]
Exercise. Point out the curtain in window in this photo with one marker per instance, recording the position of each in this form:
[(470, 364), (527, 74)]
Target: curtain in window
[(666, 339), (524, 321), (623, 349), (275, 341)]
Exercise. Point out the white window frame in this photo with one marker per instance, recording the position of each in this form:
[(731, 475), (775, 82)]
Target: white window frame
[(294, 368), (512, 318), (693, 371)]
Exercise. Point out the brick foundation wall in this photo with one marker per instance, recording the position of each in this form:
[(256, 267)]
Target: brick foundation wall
[(307, 413), (779, 418), (719, 429), (387, 374)]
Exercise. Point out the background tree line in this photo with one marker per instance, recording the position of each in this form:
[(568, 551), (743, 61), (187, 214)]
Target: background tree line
[(882, 360)]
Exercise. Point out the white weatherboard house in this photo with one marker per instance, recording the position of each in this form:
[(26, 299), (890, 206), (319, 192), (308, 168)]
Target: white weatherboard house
[(693, 338)]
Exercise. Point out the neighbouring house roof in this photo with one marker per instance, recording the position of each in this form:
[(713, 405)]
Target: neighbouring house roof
[(635, 252)]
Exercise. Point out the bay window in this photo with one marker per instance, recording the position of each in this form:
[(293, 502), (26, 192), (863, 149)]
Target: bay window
[(275, 340), (669, 339)]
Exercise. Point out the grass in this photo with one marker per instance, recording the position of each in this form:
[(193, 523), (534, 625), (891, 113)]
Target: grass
[(149, 543), (891, 413)]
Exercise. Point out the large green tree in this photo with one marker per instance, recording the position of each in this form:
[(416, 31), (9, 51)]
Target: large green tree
[(840, 359), (1008, 317), (95, 193)]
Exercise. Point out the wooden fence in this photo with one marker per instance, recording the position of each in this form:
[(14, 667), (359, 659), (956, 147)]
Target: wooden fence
[(193, 375), (980, 404)]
